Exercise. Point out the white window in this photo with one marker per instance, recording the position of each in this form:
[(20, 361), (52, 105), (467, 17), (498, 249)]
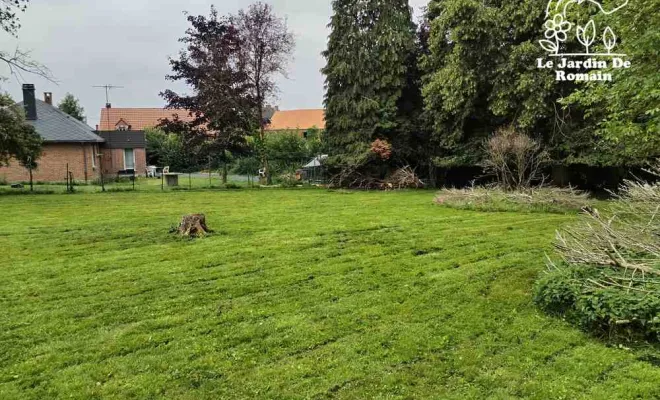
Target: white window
[(94, 155), (129, 159)]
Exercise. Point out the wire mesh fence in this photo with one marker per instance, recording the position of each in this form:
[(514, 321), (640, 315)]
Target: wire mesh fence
[(237, 174)]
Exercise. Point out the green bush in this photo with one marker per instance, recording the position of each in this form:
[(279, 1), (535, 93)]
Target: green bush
[(630, 313)]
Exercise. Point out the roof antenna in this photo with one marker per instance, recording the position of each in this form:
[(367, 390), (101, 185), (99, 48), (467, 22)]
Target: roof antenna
[(107, 92), (107, 88)]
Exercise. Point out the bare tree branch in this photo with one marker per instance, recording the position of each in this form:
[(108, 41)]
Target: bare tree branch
[(20, 62)]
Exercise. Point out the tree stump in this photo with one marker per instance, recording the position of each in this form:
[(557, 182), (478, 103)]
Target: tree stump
[(193, 225)]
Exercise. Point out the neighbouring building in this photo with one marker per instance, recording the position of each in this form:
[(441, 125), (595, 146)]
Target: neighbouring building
[(125, 148), (123, 119), (68, 144), (126, 119), (299, 121)]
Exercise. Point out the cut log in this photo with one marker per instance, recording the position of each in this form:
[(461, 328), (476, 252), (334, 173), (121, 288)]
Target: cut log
[(193, 225)]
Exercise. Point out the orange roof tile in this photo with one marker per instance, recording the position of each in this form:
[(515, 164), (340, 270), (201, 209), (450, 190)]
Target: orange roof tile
[(297, 119), (138, 118)]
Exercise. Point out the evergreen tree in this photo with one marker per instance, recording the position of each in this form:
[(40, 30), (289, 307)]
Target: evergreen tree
[(370, 75), (71, 106)]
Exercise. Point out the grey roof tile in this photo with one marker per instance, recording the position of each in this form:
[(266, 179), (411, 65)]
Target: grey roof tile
[(54, 125)]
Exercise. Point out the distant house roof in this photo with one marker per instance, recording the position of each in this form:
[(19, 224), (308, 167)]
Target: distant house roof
[(138, 118), (297, 119), (54, 125)]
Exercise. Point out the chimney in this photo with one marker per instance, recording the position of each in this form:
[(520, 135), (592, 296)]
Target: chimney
[(108, 105), (48, 98), (29, 103), (97, 127)]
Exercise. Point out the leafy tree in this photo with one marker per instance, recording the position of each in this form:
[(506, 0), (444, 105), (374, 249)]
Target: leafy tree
[(480, 73), (155, 141), (71, 106), (18, 140), (267, 45), (286, 150), (370, 75), (170, 149), (222, 103), (626, 111), (9, 20)]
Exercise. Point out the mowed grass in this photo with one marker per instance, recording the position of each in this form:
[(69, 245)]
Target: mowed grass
[(297, 294)]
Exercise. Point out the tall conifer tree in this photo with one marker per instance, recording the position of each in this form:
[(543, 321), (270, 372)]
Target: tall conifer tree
[(370, 75)]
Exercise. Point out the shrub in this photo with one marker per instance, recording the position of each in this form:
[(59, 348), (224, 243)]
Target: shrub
[(632, 313), (288, 180), (515, 159), (609, 279)]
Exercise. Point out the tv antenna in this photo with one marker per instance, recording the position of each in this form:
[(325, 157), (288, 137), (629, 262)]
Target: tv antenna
[(107, 91)]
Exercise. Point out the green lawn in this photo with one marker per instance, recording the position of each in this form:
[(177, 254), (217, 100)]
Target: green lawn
[(298, 294)]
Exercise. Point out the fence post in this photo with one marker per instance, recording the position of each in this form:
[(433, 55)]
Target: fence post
[(67, 177), (133, 179)]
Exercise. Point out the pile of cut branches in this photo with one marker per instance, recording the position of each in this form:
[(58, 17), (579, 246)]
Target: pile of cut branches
[(545, 199), (608, 279), (353, 178)]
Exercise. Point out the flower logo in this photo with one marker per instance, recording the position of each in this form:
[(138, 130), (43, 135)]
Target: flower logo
[(557, 28), (555, 31)]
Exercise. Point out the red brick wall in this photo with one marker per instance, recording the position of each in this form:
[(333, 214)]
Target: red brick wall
[(52, 164), (113, 161)]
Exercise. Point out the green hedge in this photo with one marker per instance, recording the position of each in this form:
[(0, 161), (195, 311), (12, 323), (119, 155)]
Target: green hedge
[(614, 312)]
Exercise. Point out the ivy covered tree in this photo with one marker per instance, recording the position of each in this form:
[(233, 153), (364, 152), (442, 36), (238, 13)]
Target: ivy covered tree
[(481, 74), (71, 106), (370, 77), (626, 111)]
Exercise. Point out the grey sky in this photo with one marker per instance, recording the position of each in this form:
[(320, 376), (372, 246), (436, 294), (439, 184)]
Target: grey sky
[(127, 42)]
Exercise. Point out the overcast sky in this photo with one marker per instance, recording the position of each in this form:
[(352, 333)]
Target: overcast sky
[(128, 42)]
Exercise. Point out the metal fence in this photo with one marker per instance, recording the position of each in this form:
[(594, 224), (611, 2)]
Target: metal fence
[(287, 172)]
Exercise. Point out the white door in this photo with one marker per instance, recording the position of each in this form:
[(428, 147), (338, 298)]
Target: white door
[(129, 159)]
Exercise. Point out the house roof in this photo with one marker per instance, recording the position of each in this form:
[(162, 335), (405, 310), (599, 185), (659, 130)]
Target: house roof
[(141, 118), (138, 118), (54, 125), (297, 119)]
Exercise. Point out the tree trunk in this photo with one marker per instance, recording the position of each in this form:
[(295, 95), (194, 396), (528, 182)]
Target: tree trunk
[(224, 173), (193, 225)]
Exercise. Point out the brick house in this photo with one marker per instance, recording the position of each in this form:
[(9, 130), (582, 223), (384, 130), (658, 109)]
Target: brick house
[(67, 142)]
